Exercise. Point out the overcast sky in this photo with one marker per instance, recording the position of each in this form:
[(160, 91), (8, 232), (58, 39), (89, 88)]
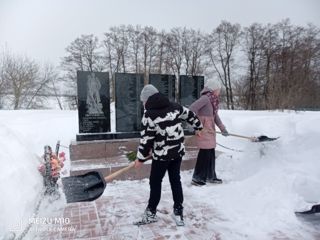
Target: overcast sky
[(42, 29)]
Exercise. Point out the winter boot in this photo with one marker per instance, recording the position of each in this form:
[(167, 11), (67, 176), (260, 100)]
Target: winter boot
[(215, 181), (147, 217), (197, 183), (177, 216)]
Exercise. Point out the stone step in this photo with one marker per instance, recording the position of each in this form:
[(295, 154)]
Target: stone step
[(109, 149), (108, 156), (101, 148), (107, 167)]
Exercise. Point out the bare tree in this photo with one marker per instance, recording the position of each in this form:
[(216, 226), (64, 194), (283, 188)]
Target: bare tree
[(282, 66), (254, 36), (49, 85), (21, 76), (282, 59), (161, 53), (27, 85), (2, 78), (306, 70), (109, 54), (117, 41), (269, 50), (83, 54), (198, 51), (149, 37), (221, 44), (116, 54), (135, 39), (174, 48), (174, 59)]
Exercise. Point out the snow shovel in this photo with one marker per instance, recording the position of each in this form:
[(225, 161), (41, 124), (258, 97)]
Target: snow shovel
[(314, 209), (261, 138), (89, 186)]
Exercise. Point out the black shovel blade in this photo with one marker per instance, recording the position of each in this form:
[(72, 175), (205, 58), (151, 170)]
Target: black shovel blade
[(264, 138), (83, 188), (314, 209)]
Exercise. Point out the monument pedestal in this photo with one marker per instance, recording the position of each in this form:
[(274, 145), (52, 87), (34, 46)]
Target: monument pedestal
[(106, 136)]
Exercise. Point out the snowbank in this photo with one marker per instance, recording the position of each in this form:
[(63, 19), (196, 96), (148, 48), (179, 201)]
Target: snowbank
[(23, 135), (264, 183)]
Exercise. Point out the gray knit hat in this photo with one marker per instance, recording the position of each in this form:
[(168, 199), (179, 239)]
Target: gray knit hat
[(147, 92), (213, 84)]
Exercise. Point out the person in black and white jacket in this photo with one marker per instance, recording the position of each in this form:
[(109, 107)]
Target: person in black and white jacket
[(162, 136)]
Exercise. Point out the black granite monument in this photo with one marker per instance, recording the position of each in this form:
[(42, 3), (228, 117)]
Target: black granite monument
[(129, 109), (93, 102), (190, 87), (165, 84)]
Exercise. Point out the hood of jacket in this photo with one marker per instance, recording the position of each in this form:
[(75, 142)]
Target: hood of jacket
[(205, 90), (157, 101)]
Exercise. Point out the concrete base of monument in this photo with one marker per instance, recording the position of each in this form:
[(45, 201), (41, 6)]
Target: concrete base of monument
[(106, 136), (83, 166), (108, 156), (115, 135)]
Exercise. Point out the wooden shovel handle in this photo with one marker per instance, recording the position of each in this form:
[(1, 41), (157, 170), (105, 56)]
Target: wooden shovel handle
[(112, 176), (240, 136), (253, 139)]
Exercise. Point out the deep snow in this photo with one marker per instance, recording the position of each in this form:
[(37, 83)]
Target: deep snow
[(264, 183)]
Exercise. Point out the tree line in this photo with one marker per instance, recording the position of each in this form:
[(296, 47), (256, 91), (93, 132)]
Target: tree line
[(272, 66)]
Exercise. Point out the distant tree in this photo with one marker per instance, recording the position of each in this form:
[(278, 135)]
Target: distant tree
[(280, 60), (174, 58), (160, 63), (269, 47), (221, 44), (282, 65), (83, 54), (26, 84), (175, 51), (149, 38), (253, 37), (116, 52), (197, 66), (311, 66), (135, 43), (109, 54), (21, 75), (116, 44), (2, 79), (48, 85)]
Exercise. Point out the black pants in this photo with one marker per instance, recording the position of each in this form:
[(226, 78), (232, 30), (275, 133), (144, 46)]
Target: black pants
[(205, 168), (158, 170)]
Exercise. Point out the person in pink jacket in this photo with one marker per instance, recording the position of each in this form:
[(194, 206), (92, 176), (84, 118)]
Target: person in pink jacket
[(206, 108)]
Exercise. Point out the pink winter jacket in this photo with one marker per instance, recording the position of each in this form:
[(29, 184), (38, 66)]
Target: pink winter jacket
[(204, 110)]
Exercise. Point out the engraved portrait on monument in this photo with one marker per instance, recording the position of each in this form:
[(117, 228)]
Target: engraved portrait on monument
[(93, 102)]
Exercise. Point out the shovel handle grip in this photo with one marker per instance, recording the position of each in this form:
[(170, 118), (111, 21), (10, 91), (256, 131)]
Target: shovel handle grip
[(112, 176)]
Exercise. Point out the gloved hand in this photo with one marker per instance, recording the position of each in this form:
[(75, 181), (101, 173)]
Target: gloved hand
[(225, 132)]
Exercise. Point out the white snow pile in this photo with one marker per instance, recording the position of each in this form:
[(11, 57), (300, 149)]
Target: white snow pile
[(23, 135), (264, 183)]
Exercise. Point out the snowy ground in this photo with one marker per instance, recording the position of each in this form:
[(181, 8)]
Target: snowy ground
[(264, 183)]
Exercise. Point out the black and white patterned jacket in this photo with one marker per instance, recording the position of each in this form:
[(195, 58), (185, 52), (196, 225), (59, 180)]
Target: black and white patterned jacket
[(162, 130)]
